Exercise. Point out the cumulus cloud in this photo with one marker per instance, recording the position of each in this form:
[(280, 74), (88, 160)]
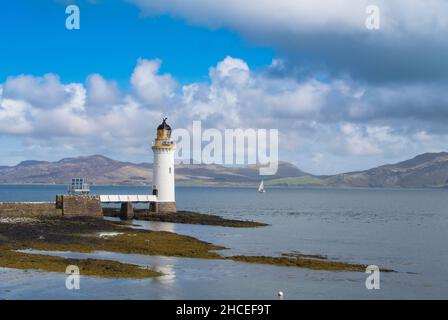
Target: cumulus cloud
[(44, 91), (102, 92), (330, 35), (151, 87), (325, 126), (13, 117)]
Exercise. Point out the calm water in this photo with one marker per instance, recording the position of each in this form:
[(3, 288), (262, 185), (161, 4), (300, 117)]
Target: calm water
[(405, 230)]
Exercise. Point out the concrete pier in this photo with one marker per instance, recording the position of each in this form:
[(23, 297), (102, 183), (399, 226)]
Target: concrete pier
[(127, 211)]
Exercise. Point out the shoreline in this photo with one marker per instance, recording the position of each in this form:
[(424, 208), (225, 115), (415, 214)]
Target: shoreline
[(186, 217), (83, 235), (251, 186)]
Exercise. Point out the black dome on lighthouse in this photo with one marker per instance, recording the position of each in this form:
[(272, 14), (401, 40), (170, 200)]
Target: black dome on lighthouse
[(164, 125)]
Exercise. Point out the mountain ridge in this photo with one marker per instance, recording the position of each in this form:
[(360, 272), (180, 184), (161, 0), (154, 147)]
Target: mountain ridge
[(428, 170)]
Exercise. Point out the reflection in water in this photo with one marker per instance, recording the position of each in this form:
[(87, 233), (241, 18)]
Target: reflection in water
[(157, 263), (166, 283), (165, 266), (149, 225)]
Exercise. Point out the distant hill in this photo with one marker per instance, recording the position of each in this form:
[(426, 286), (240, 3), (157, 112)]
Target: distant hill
[(98, 169), (429, 170)]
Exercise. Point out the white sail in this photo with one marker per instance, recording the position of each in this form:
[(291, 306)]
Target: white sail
[(261, 187)]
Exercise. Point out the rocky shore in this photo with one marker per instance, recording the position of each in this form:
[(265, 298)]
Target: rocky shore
[(186, 217), (85, 235)]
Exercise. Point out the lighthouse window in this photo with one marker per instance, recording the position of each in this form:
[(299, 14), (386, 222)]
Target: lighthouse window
[(170, 170)]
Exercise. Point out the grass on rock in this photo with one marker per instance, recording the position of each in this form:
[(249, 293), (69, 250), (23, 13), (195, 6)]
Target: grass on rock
[(82, 235)]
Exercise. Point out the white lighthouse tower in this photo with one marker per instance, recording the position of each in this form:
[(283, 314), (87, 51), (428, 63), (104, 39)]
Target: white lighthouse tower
[(163, 170)]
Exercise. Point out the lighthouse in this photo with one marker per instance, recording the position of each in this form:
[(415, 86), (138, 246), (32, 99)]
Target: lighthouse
[(163, 170)]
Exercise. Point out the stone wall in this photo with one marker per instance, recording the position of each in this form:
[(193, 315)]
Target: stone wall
[(28, 209), (80, 205), (65, 205), (166, 207)]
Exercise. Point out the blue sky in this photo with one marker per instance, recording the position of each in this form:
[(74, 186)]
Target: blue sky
[(343, 97), (113, 35)]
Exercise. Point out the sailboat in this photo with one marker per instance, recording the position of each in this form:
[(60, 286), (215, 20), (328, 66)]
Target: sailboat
[(261, 187)]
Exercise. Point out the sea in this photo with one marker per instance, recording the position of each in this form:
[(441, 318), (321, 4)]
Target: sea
[(401, 229)]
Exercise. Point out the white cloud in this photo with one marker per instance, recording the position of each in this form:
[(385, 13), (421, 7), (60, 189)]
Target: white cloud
[(150, 87), (325, 127), (330, 35), (102, 92), (357, 142), (231, 72), (44, 91), (301, 16), (62, 122), (13, 117)]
